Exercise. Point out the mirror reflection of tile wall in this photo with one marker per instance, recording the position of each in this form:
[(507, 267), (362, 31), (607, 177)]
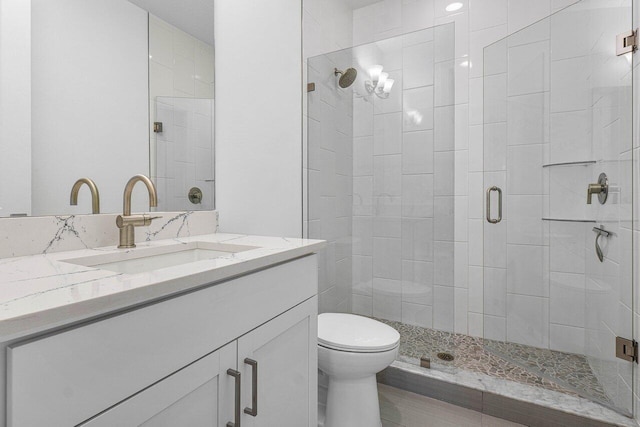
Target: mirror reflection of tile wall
[(181, 78)]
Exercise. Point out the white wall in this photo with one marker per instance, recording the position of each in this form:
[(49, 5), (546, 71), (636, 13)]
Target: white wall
[(15, 107), (258, 116), (90, 101)]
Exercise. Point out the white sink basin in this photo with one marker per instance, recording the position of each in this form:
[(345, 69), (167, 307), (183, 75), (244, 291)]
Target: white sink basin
[(141, 260)]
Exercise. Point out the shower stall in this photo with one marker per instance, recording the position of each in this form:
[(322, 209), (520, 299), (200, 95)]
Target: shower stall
[(556, 271)]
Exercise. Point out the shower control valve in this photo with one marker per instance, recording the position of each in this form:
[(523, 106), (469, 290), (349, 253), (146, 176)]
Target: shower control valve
[(601, 189)]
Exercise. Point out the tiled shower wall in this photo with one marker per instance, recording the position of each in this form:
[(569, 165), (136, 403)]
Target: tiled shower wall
[(403, 182), (330, 172), (181, 66), (327, 28), (184, 152), (478, 23), (548, 102)]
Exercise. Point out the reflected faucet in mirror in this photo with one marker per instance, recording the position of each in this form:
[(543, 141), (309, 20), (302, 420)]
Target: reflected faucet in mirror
[(127, 222), (95, 195)]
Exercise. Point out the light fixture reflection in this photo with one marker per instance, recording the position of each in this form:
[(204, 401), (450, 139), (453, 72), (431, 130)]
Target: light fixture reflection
[(452, 7), (380, 83), (388, 84), (374, 73), (382, 79)]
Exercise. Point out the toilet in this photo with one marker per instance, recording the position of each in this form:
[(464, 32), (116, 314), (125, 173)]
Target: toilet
[(351, 350)]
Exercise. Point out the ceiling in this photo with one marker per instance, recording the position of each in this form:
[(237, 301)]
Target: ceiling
[(192, 16), (356, 4)]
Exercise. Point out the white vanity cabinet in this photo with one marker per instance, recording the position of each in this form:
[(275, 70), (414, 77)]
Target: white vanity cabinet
[(195, 396), (170, 363)]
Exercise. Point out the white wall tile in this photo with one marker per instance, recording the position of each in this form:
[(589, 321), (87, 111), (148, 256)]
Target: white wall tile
[(443, 308), (387, 253), (362, 305), (418, 65), (417, 239), (567, 338), (487, 13), (523, 12), (418, 109), (417, 282), (567, 299), (527, 320), (417, 152), (526, 273), (444, 263), (417, 315), (417, 196)]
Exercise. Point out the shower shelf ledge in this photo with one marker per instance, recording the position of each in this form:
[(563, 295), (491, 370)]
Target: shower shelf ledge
[(580, 163), (569, 220)]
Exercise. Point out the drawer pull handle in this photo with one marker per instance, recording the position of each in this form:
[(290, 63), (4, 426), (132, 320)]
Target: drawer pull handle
[(235, 374), (253, 411)]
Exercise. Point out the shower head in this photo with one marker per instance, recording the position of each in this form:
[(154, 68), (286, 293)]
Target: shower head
[(347, 78)]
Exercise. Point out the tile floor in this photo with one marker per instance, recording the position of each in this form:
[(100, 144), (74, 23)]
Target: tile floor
[(547, 369), (399, 408)]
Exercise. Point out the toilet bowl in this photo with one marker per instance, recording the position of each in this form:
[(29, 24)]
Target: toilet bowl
[(351, 350)]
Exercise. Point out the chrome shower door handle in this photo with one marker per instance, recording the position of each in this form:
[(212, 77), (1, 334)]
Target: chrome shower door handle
[(237, 414), (253, 411), (489, 219)]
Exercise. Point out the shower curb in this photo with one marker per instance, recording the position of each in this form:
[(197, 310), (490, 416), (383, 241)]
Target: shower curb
[(518, 411)]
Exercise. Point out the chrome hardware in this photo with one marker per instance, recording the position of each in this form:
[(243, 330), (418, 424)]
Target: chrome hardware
[(95, 195), (253, 411), (489, 219), (157, 127), (601, 189), (235, 374), (600, 232), (311, 87), (195, 195), (127, 222), (626, 42), (627, 349)]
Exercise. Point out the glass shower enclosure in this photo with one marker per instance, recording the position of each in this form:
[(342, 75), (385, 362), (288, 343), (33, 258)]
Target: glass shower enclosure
[(380, 170), (557, 257)]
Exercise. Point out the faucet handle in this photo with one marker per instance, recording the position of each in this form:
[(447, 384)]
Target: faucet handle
[(137, 220), (601, 189)]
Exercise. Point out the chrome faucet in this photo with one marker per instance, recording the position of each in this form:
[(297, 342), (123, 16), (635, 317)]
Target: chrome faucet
[(95, 195), (127, 222)]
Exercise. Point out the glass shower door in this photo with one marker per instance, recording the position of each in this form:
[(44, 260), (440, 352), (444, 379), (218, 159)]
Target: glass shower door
[(557, 269)]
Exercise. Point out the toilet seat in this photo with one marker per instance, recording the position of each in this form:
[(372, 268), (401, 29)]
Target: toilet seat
[(356, 334)]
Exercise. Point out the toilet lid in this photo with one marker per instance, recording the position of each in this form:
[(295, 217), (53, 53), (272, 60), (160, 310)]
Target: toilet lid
[(349, 332)]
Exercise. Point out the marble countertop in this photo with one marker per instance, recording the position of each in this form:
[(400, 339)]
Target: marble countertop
[(40, 292)]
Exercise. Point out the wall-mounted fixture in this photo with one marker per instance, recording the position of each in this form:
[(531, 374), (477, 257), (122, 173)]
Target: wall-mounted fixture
[(347, 77), (601, 189), (600, 231), (380, 83), (195, 195)]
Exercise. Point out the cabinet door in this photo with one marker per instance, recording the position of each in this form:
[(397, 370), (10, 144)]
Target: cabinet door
[(285, 350), (200, 394)]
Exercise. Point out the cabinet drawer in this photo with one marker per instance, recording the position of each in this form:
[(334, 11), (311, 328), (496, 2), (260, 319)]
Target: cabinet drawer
[(65, 378)]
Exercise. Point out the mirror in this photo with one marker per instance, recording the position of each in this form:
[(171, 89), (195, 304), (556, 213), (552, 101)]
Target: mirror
[(84, 82)]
